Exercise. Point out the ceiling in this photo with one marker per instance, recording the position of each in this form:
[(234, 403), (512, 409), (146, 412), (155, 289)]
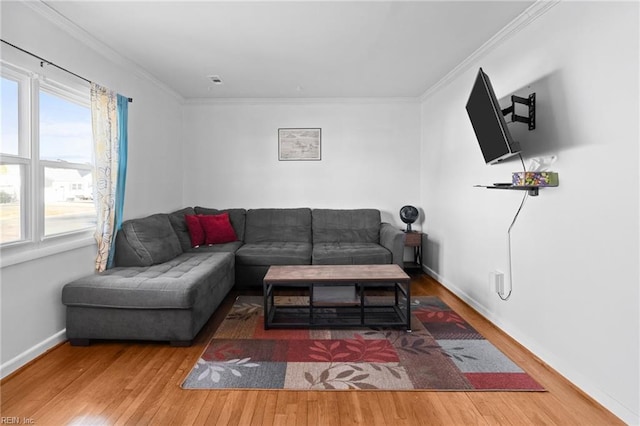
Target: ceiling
[(287, 49)]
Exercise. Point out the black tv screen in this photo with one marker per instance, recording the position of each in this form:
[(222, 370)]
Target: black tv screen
[(488, 122)]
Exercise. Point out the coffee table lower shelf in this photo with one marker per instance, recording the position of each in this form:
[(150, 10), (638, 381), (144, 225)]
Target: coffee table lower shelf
[(303, 316)]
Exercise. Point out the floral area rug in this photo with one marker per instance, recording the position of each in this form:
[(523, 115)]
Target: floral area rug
[(442, 353)]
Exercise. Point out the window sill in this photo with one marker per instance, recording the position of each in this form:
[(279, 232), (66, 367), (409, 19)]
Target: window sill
[(31, 251)]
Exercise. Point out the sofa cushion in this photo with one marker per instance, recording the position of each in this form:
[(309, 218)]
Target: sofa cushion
[(349, 254), (274, 253), (149, 241), (217, 228), (180, 226), (348, 226), (175, 284), (236, 217), (273, 225)]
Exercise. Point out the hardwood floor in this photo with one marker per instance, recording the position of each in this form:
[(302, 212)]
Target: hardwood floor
[(138, 383)]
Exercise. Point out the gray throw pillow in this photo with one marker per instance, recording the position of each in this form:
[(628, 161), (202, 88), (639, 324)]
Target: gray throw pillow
[(152, 240)]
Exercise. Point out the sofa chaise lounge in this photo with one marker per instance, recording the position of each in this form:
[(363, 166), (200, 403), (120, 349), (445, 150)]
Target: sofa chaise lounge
[(164, 289)]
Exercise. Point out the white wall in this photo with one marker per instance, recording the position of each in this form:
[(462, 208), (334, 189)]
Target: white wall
[(370, 155), (32, 316), (575, 299)]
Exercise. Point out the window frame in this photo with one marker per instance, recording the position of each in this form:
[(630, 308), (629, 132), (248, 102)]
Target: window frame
[(33, 242)]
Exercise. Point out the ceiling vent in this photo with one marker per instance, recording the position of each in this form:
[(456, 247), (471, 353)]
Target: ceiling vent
[(215, 79)]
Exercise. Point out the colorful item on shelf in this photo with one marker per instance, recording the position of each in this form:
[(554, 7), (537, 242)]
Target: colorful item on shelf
[(535, 178)]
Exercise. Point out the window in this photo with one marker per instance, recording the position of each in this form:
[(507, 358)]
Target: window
[(14, 164), (11, 191), (46, 160), (9, 88)]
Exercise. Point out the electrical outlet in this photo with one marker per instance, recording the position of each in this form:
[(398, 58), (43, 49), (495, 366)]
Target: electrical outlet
[(498, 281)]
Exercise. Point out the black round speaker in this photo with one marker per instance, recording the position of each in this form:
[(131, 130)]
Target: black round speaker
[(408, 214)]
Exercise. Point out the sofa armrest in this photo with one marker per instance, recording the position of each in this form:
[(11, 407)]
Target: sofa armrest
[(392, 239)]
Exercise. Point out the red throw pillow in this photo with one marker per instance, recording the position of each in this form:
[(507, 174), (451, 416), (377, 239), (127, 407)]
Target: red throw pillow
[(217, 228), (196, 232)]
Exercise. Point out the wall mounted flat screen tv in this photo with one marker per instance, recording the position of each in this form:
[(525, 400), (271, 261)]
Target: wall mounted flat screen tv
[(487, 119)]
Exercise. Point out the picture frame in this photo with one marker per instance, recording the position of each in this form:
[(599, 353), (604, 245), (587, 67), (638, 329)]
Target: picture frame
[(299, 144)]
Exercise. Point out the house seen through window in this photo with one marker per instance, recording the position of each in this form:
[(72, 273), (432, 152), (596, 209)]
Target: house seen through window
[(46, 159)]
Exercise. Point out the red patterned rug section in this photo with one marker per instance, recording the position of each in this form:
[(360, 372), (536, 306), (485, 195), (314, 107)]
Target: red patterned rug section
[(442, 353)]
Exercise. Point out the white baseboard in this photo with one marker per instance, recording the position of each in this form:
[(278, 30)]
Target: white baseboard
[(32, 353), (561, 367)]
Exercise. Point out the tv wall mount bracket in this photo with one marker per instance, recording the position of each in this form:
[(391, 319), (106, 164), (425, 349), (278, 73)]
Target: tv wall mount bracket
[(530, 102)]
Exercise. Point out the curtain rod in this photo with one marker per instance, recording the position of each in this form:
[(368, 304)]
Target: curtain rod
[(44, 61)]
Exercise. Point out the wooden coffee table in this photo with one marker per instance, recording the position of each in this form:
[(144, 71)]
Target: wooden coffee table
[(392, 309)]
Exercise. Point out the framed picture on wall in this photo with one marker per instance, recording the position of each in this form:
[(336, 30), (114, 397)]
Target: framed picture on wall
[(299, 144)]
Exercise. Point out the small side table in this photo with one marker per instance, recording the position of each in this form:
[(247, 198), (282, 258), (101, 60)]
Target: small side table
[(414, 239)]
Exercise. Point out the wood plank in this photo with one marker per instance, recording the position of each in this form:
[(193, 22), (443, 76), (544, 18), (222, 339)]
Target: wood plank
[(427, 408), (327, 408), (139, 383)]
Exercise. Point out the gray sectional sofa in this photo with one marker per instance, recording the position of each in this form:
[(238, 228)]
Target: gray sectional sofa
[(164, 289)]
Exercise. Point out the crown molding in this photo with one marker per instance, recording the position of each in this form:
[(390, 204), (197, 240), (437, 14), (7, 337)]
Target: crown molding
[(533, 12), (300, 101), (101, 48)]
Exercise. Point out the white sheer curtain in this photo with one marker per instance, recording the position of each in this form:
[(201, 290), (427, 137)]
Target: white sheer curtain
[(104, 117)]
